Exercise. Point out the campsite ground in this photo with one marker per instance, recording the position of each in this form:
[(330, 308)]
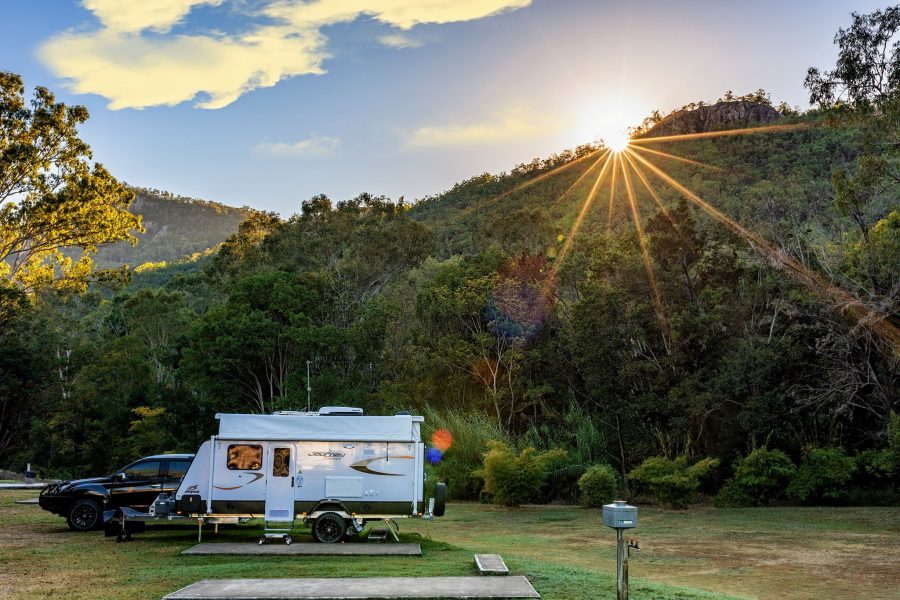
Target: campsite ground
[(834, 553)]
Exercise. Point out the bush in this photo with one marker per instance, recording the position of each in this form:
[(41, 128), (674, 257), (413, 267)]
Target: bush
[(598, 486), (512, 479), (759, 478), (585, 445), (671, 482), (823, 474), (460, 465), (561, 473)]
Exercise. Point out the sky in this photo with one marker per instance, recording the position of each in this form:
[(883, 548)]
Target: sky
[(269, 102)]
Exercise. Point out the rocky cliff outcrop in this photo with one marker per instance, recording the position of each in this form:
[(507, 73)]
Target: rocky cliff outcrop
[(715, 117)]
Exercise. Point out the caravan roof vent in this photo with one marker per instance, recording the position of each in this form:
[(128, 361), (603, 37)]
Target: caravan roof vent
[(340, 410), (290, 412)]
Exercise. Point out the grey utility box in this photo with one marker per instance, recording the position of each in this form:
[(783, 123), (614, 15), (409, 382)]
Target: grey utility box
[(620, 515)]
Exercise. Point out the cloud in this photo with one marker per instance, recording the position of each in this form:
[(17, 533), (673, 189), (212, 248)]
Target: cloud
[(399, 40), (514, 125), (135, 61), (136, 72), (317, 146), (399, 13), (158, 15)]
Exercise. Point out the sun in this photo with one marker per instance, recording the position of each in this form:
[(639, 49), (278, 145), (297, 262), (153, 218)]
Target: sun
[(617, 142)]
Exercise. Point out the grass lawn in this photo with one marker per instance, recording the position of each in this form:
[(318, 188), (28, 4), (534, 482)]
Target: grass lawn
[(564, 551)]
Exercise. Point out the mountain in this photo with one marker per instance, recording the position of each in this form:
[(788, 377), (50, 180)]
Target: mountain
[(716, 117), (176, 227), (776, 182)]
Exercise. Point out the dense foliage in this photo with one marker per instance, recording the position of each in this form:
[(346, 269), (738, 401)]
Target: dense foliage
[(512, 478), (823, 475), (51, 197), (671, 481), (599, 485), (759, 478), (461, 308), (174, 227)]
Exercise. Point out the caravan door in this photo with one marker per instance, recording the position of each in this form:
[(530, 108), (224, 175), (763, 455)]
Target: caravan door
[(280, 483)]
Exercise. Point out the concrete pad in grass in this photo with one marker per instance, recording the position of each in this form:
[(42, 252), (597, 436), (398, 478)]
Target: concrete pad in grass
[(358, 588), (359, 549)]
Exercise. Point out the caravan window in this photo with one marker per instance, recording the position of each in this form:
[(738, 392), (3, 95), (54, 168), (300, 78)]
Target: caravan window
[(244, 457), (281, 463)]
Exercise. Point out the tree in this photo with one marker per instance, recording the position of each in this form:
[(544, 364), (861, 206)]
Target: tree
[(158, 319), (53, 203), (245, 351), (867, 71), (866, 82), (676, 242)]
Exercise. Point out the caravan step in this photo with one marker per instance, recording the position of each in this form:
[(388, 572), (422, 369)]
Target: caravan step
[(359, 588), (356, 549), (491, 564)]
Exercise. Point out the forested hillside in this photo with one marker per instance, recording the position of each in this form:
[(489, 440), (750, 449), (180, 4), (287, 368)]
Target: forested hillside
[(176, 227), (715, 311)]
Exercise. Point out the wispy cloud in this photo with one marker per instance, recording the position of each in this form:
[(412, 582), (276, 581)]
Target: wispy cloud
[(135, 60), (156, 15), (400, 40), (313, 147), (136, 72), (510, 126)]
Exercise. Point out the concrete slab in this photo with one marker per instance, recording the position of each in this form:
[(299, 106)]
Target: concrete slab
[(358, 549), (23, 486), (491, 564), (358, 588)]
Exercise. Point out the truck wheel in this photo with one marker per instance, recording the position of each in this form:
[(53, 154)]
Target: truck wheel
[(84, 515), (440, 499), (329, 528)]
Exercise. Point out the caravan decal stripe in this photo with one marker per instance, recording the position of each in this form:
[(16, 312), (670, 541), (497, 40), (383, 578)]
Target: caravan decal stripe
[(256, 477), (363, 466)]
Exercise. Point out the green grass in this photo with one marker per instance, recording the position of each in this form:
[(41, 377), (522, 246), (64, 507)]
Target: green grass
[(564, 551)]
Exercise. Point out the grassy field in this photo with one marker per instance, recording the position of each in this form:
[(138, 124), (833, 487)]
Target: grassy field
[(565, 552)]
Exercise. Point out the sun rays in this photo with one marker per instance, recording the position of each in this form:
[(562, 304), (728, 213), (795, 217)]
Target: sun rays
[(678, 158), (714, 134), (632, 159)]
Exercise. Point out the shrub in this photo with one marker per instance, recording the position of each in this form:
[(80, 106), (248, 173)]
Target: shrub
[(759, 478), (823, 474), (598, 486), (875, 465), (512, 479), (459, 466), (671, 482), (561, 475)]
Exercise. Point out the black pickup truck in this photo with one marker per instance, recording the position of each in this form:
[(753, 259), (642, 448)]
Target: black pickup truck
[(83, 501)]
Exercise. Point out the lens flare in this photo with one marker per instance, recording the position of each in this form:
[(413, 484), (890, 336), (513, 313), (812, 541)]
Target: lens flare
[(678, 158), (723, 133), (838, 297), (642, 241), (567, 245), (530, 182), (442, 439), (434, 455)]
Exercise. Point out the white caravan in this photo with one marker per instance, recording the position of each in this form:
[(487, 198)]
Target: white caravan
[(335, 469)]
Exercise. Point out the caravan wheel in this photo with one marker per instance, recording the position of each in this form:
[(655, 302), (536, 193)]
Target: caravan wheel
[(329, 528)]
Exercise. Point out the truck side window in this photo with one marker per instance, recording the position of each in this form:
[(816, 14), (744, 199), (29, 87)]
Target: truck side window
[(281, 462), (244, 457), (178, 468), (143, 470)]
